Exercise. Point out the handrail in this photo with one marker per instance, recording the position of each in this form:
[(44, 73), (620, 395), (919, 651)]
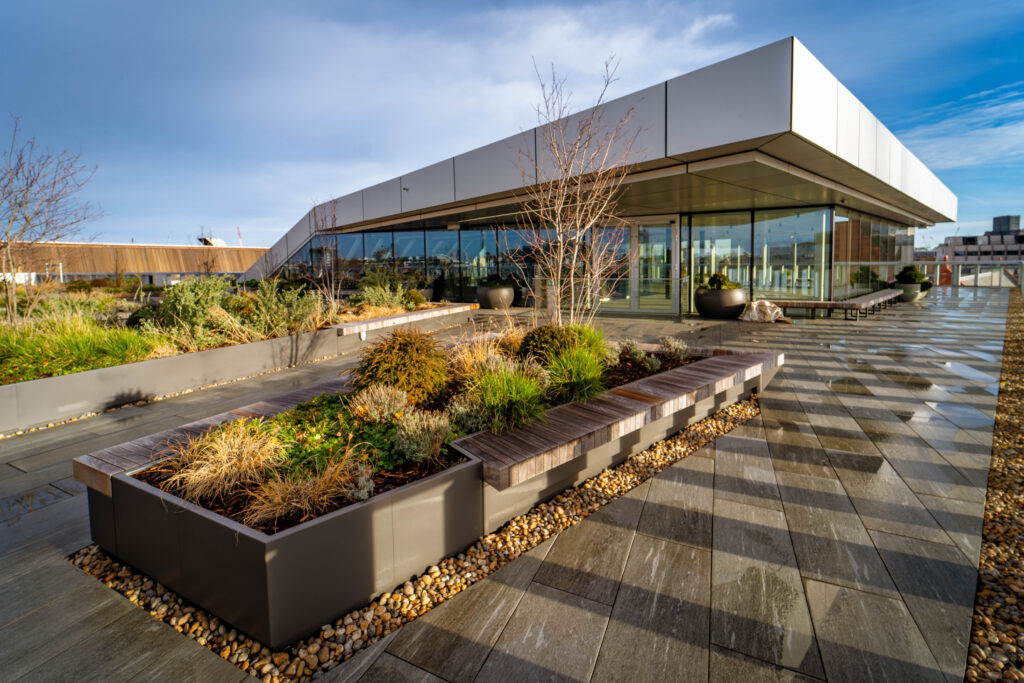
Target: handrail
[(971, 273)]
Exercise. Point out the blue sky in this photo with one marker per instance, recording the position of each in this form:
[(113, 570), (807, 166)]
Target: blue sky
[(211, 115)]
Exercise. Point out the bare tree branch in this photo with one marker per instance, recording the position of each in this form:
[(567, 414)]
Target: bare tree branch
[(577, 244), (38, 203)]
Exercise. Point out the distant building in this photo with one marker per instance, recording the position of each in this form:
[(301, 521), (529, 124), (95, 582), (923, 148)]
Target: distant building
[(152, 263), (1004, 242)]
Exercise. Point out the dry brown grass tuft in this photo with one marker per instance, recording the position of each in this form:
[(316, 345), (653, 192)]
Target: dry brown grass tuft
[(465, 357), (218, 464), (303, 496)]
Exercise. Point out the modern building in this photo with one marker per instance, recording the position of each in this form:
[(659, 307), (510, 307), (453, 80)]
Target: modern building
[(159, 264), (1004, 242), (763, 167)]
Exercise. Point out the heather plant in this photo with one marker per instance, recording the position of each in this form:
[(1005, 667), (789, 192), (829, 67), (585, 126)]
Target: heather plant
[(467, 413), (630, 348), (384, 296), (378, 403), (421, 434), (576, 375), (674, 347), (652, 364), (407, 359)]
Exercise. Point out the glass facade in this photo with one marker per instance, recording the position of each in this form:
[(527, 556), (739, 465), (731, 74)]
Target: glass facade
[(814, 253)]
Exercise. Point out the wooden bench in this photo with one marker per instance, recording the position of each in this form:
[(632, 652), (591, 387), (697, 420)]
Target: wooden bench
[(569, 431), (866, 303)]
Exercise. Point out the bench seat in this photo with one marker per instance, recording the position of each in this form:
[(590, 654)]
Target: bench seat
[(866, 303)]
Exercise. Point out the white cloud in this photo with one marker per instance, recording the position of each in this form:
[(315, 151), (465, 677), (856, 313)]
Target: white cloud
[(985, 128)]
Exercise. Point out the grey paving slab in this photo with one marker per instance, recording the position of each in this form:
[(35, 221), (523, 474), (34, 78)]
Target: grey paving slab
[(829, 539), (938, 585), (31, 590), (352, 669), (729, 666), (187, 662), (680, 503), (757, 597), (453, 640), (865, 637), (962, 521), (37, 637), (553, 636), (743, 468), (588, 559), (794, 447), (660, 622), (390, 669)]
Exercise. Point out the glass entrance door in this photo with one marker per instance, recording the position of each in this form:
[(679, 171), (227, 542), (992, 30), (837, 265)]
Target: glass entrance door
[(647, 277)]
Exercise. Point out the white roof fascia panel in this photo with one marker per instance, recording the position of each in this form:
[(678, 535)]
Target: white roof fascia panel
[(350, 208), (848, 125), (868, 140), (497, 167), (745, 97), (639, 118), (430, 186), (815, 99), (883, 148), (382, 199), (896, 152)]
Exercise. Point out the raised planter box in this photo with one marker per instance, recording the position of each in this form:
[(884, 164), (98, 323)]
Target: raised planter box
[(38, 402), (281, 587)]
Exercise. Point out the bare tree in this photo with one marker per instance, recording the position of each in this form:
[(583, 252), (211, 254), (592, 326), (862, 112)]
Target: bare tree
[(573, 235), (324, 217), (38, 203)]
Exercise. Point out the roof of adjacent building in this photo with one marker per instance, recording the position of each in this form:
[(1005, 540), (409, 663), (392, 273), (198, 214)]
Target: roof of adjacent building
[(89, 257), (768, 128)]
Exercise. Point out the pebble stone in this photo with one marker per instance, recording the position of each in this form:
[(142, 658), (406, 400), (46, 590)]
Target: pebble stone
[(337, 642), (997, 631)]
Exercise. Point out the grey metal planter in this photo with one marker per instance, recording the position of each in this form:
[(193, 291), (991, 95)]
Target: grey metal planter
[(495, 297), (911, 292), (720, 304), (279, 588)]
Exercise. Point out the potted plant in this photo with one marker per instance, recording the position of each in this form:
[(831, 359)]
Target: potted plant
[(913, 283), (493, 292), (720, 298)]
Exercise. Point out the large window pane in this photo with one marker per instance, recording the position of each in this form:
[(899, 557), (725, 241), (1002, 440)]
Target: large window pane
[(721, 244), (349, 259), (615, 290), (443, 262), (791, 254), (409, 256), (378, 249), (654, 260)]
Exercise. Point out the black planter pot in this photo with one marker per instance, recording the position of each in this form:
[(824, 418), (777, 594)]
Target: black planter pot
[(720, 304), (495, 297)]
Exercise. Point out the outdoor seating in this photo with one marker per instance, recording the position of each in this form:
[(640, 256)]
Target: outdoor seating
[(866, 303)]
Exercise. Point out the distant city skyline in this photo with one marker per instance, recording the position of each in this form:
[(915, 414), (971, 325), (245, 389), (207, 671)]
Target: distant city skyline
[(214, 118)]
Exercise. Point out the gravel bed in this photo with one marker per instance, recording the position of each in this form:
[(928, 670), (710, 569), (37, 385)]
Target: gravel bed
[(338, 641), (997, 632)]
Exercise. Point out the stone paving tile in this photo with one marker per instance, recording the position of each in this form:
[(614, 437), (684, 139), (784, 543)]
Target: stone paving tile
[(757, 596), (829, 539), (185, 662), (728, 666), (743, 468), (680, 503), (437, 642), (794, 447), (938, 586), (388, 669), (659, 625), (352, 669), (553, 636), (587, 560), (15, 507), (962, 520), (33, 589), (866, 637)]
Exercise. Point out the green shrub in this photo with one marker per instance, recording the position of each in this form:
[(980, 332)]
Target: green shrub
[(421, 434), (467, 413), (719, 281), (383, 296), (545, 341), (508, 399), (378, 402), (82, 286), (413, 297), (652, 364), (273, 311), (384, 278), (630, 348), (674, 348), (576, 375), (141, 315), (407, 359), (926, 285), (190, 303), (591, 339)]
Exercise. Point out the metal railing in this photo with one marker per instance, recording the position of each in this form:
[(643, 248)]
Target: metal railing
[(974, 273)]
